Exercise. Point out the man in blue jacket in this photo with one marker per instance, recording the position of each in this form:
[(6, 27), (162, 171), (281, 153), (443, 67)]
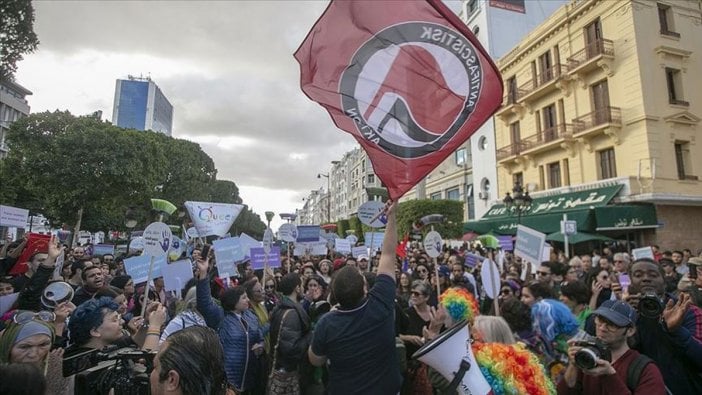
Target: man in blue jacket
[(673, 338)]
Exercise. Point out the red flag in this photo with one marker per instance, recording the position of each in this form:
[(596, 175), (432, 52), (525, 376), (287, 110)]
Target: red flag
[(407, 79), (401, 249)]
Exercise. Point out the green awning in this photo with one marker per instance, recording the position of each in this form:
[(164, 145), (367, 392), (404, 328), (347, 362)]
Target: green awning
[(626, 217), (546, 223), (576, 238)]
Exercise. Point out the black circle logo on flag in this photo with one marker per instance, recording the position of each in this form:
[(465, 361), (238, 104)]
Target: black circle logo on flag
[(411, 87)]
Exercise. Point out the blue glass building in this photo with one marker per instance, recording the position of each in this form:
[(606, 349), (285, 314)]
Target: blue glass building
[(140, 104)]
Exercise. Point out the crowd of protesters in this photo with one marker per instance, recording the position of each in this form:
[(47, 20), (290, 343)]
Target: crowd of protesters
[(339, 324)]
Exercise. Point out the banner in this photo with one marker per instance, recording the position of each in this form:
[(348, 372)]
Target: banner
[(138, 267), (308, 233), (342, 245), (103, 249), (13, 217), (227, 253), (213, 218), (510, 5), (258, 258), (408, 80)]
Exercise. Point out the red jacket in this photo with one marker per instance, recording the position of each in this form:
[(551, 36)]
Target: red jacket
[(650, 382)]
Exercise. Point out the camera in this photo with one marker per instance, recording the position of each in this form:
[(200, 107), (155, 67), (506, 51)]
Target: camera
[(122, 371), (650, 305), (591, 351)]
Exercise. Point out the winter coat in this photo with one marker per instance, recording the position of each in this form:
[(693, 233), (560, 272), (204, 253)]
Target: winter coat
[(295, 336)]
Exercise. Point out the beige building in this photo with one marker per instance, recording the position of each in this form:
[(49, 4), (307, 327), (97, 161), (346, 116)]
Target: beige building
[(610, 93)]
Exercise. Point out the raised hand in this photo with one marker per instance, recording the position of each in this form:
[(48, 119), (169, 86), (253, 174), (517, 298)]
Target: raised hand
[(674, 313), (203, 265)]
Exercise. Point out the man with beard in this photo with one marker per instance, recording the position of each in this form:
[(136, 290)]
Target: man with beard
[(92, 282), (671, 336)]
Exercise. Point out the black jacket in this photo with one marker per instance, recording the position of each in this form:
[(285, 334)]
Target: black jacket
[(295, 335), (30, 297)]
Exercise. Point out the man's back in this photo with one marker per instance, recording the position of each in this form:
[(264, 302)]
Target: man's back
[(360, 344)]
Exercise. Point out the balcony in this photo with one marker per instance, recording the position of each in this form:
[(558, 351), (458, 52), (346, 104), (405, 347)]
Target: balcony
[(510, 105), (543, 83), (607, 120), (540, 142), (599, 53)]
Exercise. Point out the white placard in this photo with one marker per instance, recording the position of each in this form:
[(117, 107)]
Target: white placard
[(352, 239), (287, 232), (136, 244), (213, 218), (643, 252), (358, 251), (529, 244), (490, 278), (342, 245), (13, 217), (157, 239), (267, 241), (370, 210), (192, 232), (138, 267), (177, 274), (433, 243), (247, 243), (545, 254)]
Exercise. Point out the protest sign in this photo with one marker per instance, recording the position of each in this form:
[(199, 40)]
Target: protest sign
[(136, 244), (138, 267), (506, 243), (267, 241), (302, 249), (177, 249), (529, 244), (352, 239), (7, 301), (369, 211), (177, 274), (103, 249), (258, 258), (58, 268), (433, 244), (342, 245), (643, 252), (213, 218), (227, 253), (371, 64), (13, 217), (247, 243), (288, 232), (319, 248), (374, 240), (358, 251), (157, 239), (545, 253), (307, 233), (490, 276), (472, 260)]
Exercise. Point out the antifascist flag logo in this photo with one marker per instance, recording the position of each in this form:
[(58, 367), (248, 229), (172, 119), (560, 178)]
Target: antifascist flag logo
[(406, 78), (411, 87)]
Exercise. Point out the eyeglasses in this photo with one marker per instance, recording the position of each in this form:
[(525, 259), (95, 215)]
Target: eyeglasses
[(415, 293), (26, 316)]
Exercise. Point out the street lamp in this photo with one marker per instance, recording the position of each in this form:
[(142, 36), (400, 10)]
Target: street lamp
[(269, 217), (130, 222), (519, 202), (320, 175)]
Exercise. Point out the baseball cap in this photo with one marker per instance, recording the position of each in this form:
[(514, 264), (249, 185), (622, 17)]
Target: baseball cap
[(695, 261), (363, 257), (619, 313)]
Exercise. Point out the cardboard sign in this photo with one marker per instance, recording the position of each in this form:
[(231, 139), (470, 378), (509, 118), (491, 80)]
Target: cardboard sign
[(288, 232), (369, 211), (490, 276), (138, 267), (247, 243), (157, 239), (177, 274), (213, 218), (342, 245), (358, 251), (376, 238), (227, 253), (352, 239), (643, 252), (13, 217), (258, 258), (307, 233), (529, 244), (433, 244), (103, 249)]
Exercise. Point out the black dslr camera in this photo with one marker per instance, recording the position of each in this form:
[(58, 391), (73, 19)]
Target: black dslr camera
[(591, 351), (650, 305)]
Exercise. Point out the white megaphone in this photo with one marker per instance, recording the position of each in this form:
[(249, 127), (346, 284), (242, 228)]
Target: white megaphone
[(451, 355)]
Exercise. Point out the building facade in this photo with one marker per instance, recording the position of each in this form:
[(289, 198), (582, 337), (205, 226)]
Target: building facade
[(605, 93), (140, 104), (13, 106)]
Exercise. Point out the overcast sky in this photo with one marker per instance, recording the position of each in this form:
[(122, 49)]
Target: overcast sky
[(226, 66)]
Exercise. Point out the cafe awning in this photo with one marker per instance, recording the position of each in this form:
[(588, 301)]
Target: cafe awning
[(546, 223), (577, 238), (626, 217)]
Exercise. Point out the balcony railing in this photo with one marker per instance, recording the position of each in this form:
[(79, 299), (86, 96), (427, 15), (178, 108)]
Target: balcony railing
[(546, 76), (564, 130), (602, 116), (513, 97), (592, 50)]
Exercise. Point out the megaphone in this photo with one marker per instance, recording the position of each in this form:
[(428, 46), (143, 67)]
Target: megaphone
[(451, 355)]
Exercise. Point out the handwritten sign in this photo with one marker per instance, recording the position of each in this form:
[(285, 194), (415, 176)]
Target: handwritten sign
[(342, 245), (13, 217), (157, 239), (258, 258), (529, 244), (138, 267)]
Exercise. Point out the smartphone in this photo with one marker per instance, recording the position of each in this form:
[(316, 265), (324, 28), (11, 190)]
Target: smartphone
[(624, 281), (205, 251)]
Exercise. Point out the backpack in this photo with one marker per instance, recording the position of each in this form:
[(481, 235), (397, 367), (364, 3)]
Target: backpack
[(633, 374)]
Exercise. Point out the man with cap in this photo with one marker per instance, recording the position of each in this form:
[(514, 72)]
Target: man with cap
[(615, 322), (363, 263)]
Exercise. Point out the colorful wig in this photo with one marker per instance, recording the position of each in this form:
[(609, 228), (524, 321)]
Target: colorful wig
[(460, 304), (512, 369)]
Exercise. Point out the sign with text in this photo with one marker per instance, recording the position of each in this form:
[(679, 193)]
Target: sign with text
[(342, 245), (369, 211), (288, 232), (374, 240), (247, 243), (258, 258), (157, 239), (643, 252), (213, 218), (176, 274), (103, 249), (433, 244), (307, 233), (227, 253), (13, 217), (138, 267), (529, 244), (358, 251)]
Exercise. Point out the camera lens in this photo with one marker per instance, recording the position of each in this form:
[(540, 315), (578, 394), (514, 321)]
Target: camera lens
[(586, 358), (650, 306)]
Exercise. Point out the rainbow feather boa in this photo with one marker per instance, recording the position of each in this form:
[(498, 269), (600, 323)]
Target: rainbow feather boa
[(460, 304), (512, 370)]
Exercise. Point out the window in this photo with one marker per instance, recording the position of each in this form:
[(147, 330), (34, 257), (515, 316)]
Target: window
[(542, 181), (608, 165), (549, 132), (461, 156), (593, 39), (435, 196), (566, 172), (453, 194), (518, 178), (472, 6), (599, 94), (546, 68), (554, 175), (371, 179), (512, 90), (683, 160), (665, 19), (673, 78)]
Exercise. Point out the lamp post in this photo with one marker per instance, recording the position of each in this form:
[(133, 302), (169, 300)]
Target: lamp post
[(130, 222), (320, 175), (269, 217), (518, 202)]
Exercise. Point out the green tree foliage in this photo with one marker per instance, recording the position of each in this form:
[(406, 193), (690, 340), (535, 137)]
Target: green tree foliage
[(411, 211), (356, 225), (59, 164), (17, 37), (342, 226), (250, 223)]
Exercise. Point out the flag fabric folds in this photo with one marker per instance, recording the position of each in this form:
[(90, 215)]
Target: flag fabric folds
[(407, 79)]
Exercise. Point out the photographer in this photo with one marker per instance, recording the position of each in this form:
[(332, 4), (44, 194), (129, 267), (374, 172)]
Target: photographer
[(607, 365), (668, 330)]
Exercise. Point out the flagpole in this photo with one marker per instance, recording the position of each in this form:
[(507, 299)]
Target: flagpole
[(436, 273)]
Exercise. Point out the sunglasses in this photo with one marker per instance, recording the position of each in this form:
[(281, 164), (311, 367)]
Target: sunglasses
[(415, 293), (26, 316)]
